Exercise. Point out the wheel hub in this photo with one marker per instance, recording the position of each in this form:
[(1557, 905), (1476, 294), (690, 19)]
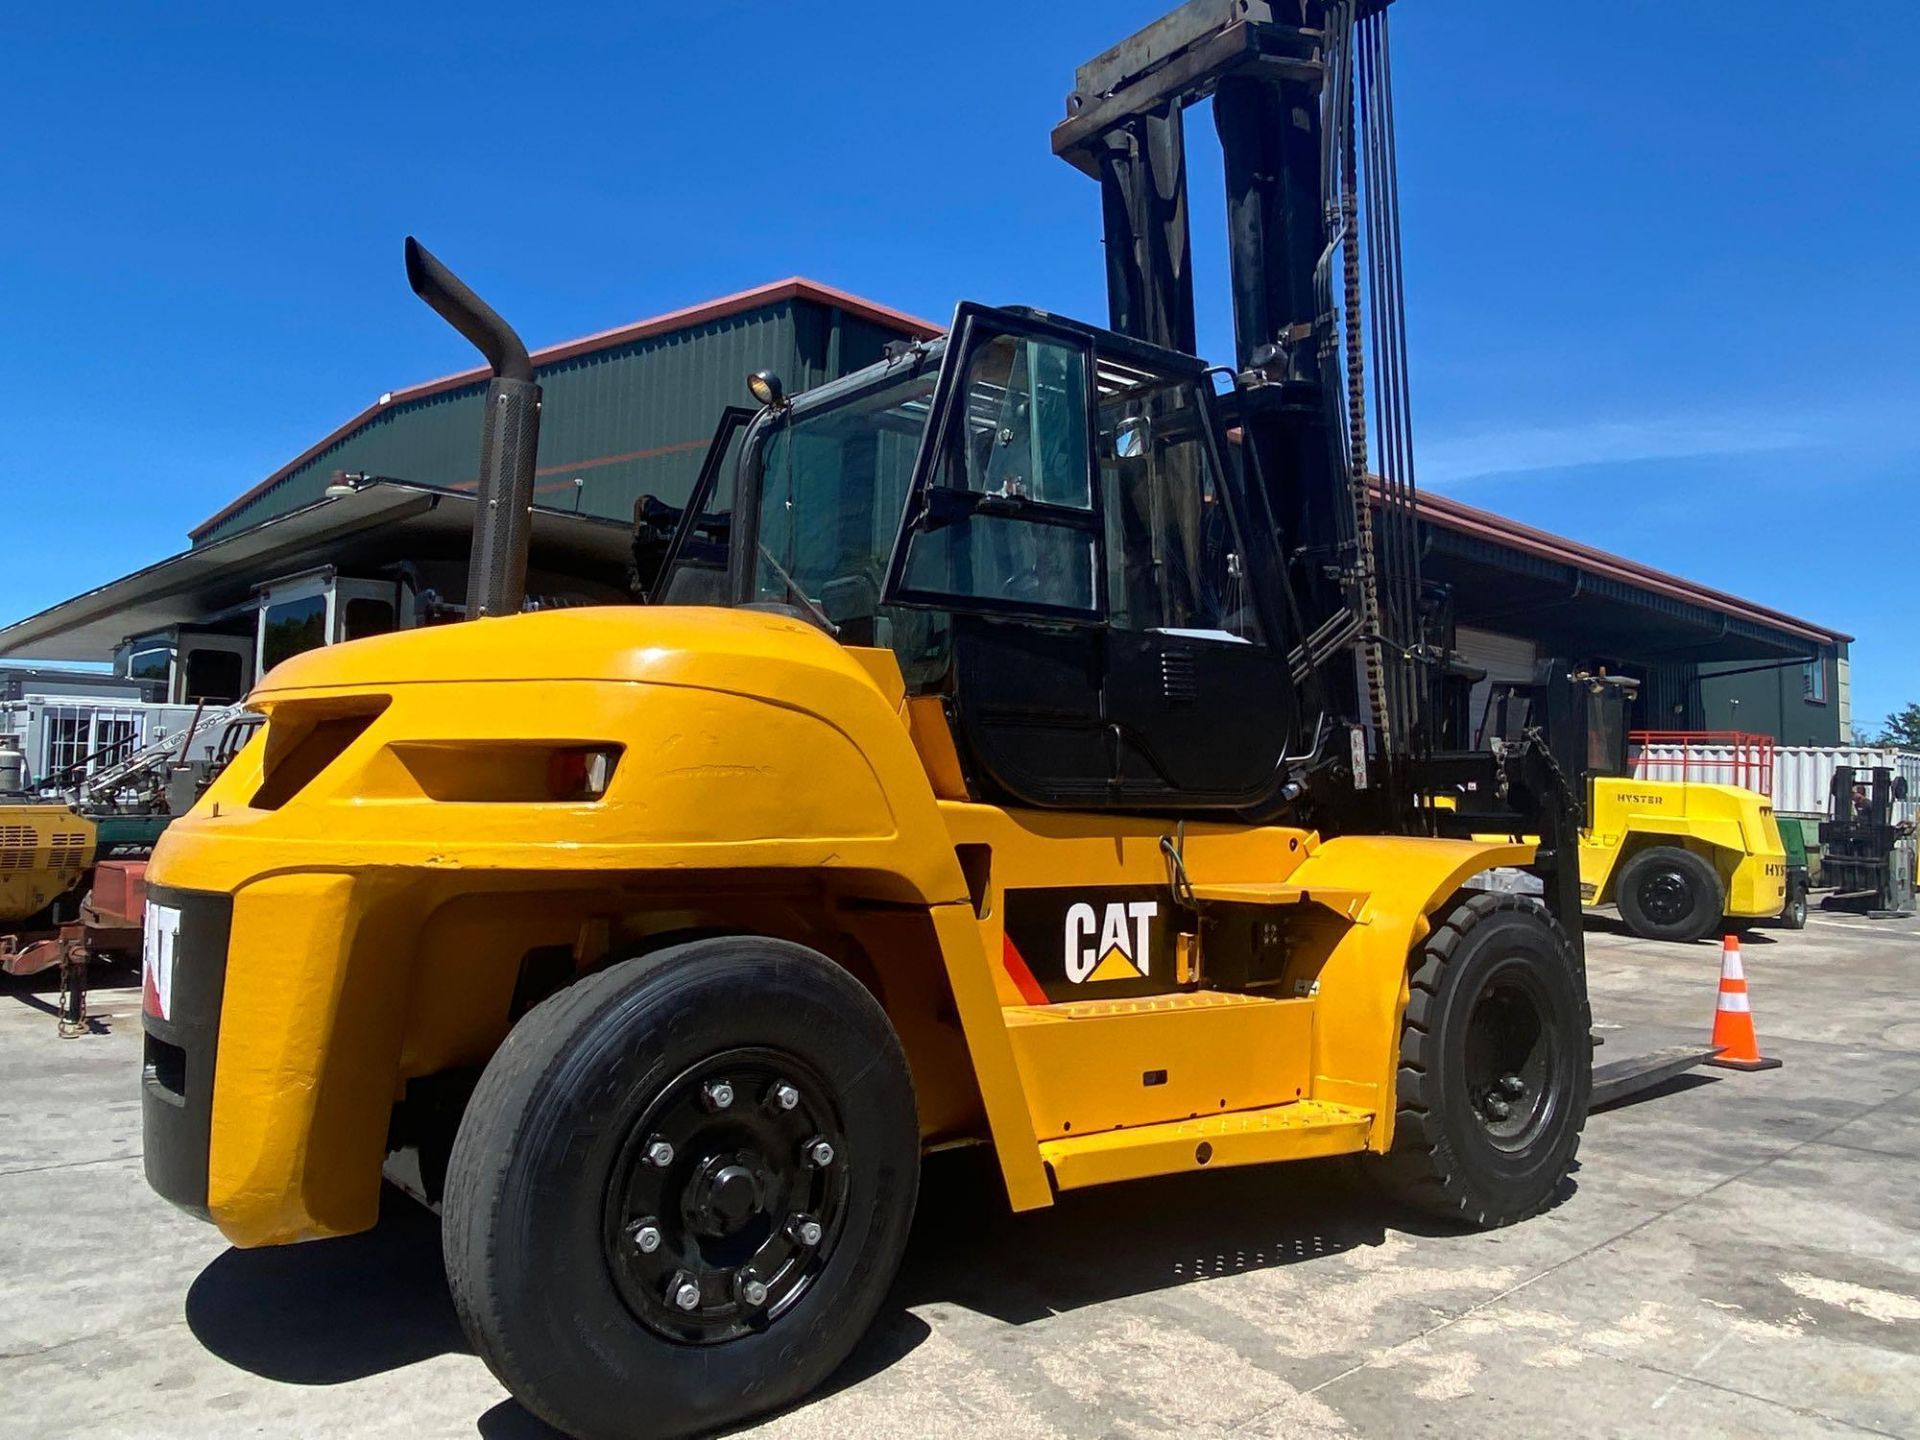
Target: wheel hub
[(1666, 897), (1509, 1055), (726, 1233), (725, 1193)]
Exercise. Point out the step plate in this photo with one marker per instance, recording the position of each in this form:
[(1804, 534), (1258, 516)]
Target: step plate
[(1305, 1130)]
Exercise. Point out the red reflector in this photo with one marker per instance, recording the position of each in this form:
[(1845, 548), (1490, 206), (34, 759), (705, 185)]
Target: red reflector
[(580, 773)]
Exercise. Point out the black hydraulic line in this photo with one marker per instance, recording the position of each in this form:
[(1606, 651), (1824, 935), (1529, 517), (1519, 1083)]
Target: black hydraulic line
[(1390, 195), (1345, 408), (1353, 521), (1388, 623), (1400, 560)]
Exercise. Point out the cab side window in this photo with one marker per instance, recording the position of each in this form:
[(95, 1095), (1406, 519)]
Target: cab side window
[(1019, 441), (1173, 560)]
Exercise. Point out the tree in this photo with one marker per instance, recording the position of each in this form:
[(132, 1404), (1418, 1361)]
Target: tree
[(1902, 728)]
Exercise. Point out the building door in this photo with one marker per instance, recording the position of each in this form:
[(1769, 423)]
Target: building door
[(1507, 659)]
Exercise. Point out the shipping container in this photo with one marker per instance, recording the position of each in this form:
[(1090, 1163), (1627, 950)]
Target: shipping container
[(1802, 774)]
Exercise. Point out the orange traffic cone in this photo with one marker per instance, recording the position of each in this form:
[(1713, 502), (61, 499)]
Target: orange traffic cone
[(1733, 1033)]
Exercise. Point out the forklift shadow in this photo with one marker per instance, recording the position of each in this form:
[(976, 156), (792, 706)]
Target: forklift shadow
[(1105, 1244), (334, 1310), (1111, 1242), (1608, 922), (347, 1309)]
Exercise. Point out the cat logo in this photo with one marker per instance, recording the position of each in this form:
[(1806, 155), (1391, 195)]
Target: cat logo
[(1120, 951)]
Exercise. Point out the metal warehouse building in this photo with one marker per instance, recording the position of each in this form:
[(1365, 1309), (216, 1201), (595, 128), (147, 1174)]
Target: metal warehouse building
[(625, 413), (367, 529)]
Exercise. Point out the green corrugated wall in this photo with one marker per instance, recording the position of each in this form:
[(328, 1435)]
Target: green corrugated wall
[(630, 420)]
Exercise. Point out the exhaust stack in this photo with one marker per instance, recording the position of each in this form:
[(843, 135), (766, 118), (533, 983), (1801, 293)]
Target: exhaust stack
[(509, 438)]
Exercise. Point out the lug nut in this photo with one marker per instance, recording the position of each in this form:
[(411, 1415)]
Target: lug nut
[(1498, 1109), (785, 1096), (683, 1292), (1513, 1085), (718, 1094), (820, 1153), (659, 1152), (805, 1230), (646, 1236), (753, 1291)]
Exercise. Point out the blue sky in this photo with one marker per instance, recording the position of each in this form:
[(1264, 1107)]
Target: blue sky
[(1659, 257)]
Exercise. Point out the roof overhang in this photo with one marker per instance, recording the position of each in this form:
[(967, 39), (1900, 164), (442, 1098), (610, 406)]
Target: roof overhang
[(380, 525), (1581, 599)]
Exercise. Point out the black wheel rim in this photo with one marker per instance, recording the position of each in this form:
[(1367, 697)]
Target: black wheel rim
[(1510, 1062), (728, 1197), (1666, 897)]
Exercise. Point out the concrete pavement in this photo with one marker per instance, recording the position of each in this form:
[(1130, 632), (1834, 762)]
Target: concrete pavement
[(1740, 1253)]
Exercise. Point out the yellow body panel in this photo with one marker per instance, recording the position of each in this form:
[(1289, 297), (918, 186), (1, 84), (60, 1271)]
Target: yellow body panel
[(1361, 980), (1108, 1064), (769, 781), (1732, 828), (44, 852)]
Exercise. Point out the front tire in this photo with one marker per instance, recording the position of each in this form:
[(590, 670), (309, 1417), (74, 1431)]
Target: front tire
[(1666, 893), (682, 1188), (1495, 1065)]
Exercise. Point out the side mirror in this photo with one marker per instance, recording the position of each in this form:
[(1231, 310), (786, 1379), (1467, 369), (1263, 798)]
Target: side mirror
[(1131, 438), (1899, 788)]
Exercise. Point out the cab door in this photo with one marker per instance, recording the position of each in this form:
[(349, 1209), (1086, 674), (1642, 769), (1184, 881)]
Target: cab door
[(1002, 531), (1199, 700)]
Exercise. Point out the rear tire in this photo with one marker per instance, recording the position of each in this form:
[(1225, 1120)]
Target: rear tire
[(1666, 893), (556, 1173), (1794, 917), (1495, 1065)]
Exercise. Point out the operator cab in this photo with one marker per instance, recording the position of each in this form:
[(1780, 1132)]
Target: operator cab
[(1037, 519), (1581, 713)]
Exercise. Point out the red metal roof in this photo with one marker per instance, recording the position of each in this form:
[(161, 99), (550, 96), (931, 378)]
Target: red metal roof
[(1441, 510), (794, 287)]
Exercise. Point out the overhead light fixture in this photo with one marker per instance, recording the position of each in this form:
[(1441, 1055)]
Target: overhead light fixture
[(344, 483)]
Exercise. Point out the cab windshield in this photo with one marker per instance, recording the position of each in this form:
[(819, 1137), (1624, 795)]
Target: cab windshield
[(833, 485), (832, 489)]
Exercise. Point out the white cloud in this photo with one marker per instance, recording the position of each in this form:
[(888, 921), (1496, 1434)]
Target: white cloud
[(1449, 459)]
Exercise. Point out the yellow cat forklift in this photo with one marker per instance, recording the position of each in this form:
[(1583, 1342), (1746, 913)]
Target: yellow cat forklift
[(1682, 859), (1023, 750)]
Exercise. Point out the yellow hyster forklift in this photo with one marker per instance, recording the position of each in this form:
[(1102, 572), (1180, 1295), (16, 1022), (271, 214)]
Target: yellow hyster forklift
[(1682, 859), (1024, 748)]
